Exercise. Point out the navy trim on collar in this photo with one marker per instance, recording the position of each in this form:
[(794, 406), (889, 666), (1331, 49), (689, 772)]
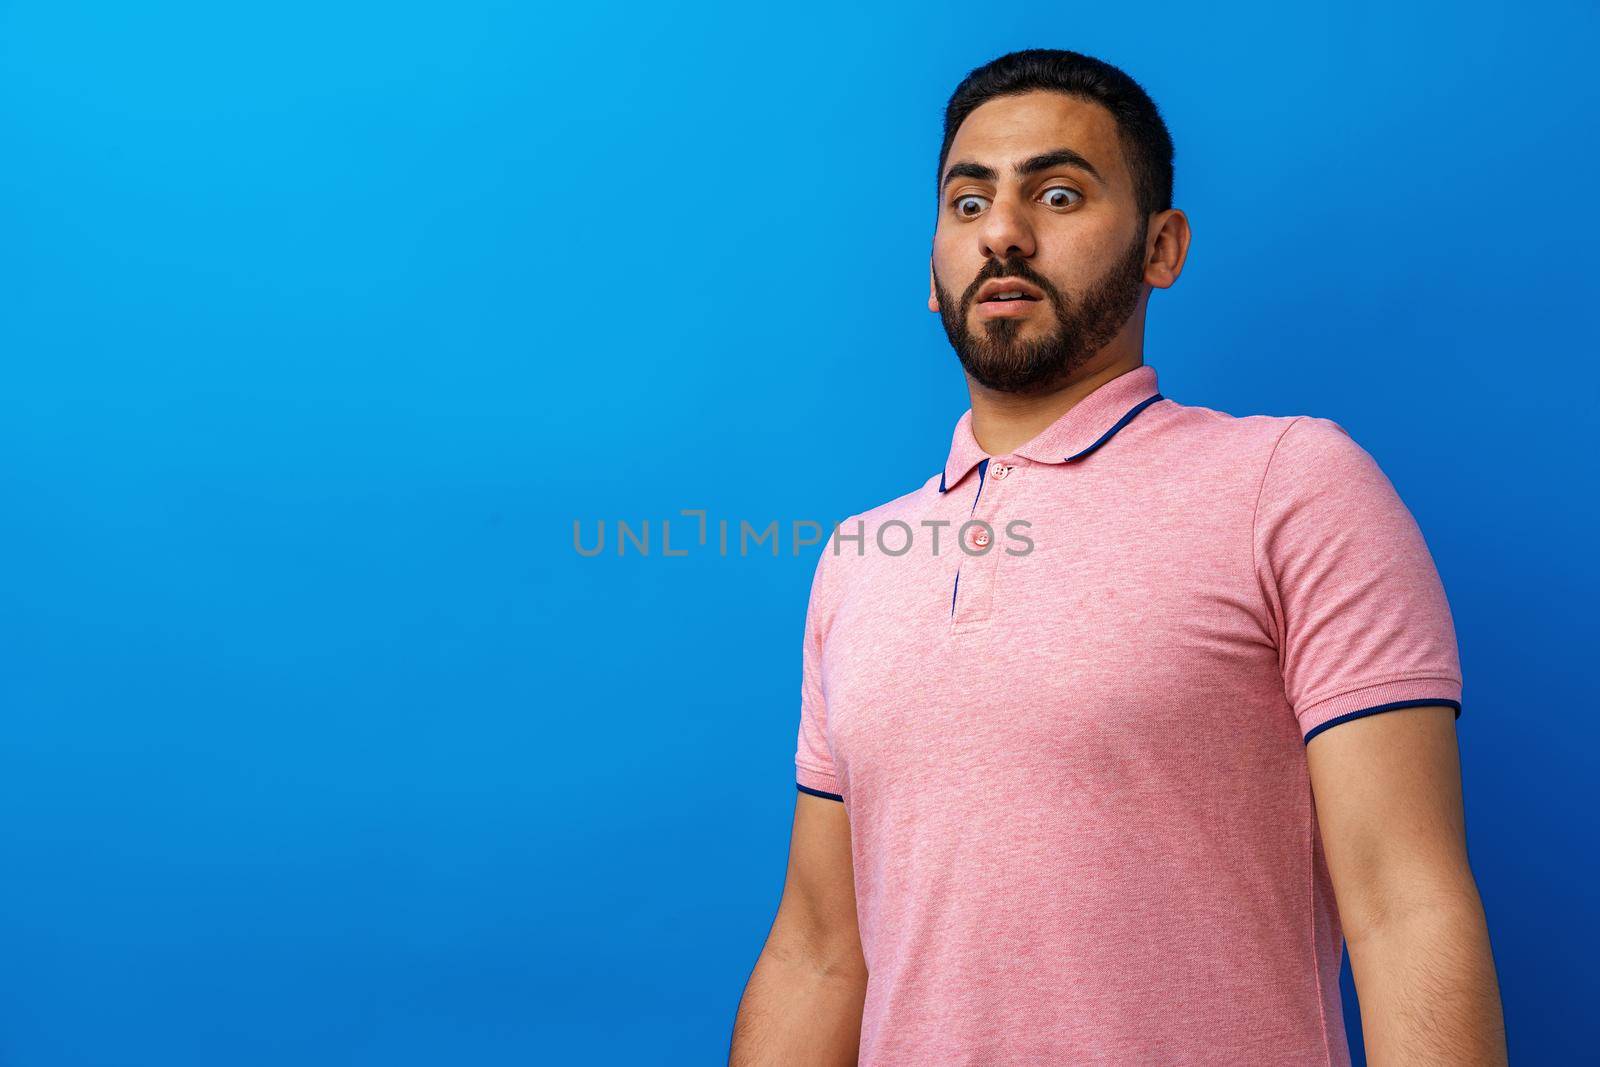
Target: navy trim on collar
[(1120, 423), (1140, 406)]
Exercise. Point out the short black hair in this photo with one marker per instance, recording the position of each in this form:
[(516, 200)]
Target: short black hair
[(1145, 141)]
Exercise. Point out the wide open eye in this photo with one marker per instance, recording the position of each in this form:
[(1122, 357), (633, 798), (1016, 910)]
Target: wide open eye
[(961, 199), (1057, 202)]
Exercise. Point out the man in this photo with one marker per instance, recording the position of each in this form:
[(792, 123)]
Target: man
[(1169, 712)]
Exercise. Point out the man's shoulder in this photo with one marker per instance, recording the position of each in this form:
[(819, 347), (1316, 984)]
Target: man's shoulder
[(1191, 425), (863, 527), (1284, 462), (907, 507), (1207, 448)]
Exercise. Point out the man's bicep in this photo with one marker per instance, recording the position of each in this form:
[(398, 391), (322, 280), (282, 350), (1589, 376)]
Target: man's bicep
[(817, 915), (1387, 790)]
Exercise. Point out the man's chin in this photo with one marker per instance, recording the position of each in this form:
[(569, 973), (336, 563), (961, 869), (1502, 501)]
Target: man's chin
[(1025, 367), (1018, 380)]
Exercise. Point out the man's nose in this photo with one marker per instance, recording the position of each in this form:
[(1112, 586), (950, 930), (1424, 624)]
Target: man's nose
[(1005, 232)]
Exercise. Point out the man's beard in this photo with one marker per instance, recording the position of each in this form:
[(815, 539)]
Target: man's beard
[(997, 360)]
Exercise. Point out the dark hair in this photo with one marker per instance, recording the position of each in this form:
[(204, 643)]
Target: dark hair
[(1146, 144)]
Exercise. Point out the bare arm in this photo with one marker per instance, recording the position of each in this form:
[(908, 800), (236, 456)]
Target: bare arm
[(803, 1002), (1387, 789)]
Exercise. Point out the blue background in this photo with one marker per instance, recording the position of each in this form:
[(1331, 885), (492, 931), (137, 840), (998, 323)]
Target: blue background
[(322, 323)]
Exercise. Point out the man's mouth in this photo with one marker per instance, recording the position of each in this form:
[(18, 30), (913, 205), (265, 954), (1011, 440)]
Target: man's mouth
[(1003, 292), (1003, 301)]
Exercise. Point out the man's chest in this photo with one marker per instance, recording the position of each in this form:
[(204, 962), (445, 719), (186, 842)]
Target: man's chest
[(1120, 633)]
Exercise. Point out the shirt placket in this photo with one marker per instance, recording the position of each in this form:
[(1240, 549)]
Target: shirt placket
[(978, 537)]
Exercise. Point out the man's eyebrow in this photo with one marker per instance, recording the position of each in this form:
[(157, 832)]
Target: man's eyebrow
[(1056, 157)]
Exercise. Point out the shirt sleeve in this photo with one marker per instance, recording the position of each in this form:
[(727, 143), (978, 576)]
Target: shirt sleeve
[(813, 758), (1359, 612)]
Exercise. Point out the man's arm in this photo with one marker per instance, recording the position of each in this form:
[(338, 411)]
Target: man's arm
[(804, 998), (1387, 789)]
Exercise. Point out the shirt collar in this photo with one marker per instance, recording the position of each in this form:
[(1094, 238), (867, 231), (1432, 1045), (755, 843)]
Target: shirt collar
[(1084, 427)]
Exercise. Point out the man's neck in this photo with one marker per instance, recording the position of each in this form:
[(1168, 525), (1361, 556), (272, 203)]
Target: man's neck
[(1002, 422)]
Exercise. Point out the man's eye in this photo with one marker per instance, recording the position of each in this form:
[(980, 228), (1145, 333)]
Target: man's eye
[(1055, 196), (1062, 189), (963, 199)]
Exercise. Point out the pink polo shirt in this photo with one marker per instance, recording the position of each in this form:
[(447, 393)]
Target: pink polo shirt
[(1075, 775)]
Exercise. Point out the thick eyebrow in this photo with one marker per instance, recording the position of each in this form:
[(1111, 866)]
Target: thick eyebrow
[(1057, 157)]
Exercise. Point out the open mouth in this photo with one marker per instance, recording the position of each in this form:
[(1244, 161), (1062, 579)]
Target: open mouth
[(1004, 304)]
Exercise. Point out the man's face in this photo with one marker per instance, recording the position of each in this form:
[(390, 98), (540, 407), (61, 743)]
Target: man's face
[(1068, 229)]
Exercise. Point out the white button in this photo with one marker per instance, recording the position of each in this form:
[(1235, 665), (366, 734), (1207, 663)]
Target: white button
[(1000, 472)]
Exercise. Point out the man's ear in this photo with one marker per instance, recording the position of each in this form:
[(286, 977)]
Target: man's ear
[(1169, 250), (933, 294)]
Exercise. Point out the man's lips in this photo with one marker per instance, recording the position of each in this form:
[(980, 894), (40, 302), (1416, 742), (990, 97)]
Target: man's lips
[(997, 286), (1006, 309), (989, 307)]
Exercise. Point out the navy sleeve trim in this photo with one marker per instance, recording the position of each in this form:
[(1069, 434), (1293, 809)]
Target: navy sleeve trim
[(818, 792), (1347, 716)]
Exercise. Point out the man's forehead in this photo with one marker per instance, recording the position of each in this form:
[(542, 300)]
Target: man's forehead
[(1009, 129)]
